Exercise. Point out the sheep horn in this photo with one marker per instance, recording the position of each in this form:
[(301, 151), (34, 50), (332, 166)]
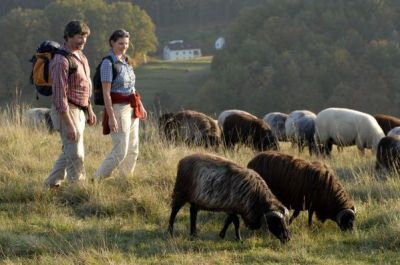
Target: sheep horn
[(286, 211), (342, 212), (274, 214)]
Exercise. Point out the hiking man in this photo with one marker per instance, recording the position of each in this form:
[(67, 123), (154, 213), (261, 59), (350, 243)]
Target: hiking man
[(70, 102)]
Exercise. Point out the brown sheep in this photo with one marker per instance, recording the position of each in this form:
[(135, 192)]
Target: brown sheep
[(190, 127), (302, 185), (387, 122), (214, 183), (388, 154), (247, 129)]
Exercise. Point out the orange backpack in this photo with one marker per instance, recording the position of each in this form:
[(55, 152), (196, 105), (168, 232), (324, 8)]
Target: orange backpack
[(40, 75)]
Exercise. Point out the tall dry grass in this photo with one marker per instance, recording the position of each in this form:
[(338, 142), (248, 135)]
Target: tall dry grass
[(124, 220)]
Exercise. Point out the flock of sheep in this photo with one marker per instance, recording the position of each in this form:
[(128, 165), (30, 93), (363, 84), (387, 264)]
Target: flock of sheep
[(273, 181)]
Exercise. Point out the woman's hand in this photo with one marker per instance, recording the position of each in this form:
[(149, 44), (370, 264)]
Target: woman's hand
[(143, 110), (113, 123)]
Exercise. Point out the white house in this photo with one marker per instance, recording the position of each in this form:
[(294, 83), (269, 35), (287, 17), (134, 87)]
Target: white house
[(178, 50)]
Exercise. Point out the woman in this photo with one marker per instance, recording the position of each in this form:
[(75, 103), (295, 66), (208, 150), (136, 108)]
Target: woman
[(119, 99)]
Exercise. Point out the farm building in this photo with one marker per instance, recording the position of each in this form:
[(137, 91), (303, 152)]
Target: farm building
[(178, 50)]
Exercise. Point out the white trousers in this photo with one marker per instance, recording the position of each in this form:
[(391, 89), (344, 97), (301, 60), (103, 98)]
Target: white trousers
[(125, 144), (69, 164)]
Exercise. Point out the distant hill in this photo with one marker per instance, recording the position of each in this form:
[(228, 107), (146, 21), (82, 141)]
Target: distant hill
[(287, 55)]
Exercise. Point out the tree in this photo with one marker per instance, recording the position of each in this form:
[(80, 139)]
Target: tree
[(288, 54)]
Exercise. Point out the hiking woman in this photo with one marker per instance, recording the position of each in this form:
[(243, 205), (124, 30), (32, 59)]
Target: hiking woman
[(122, 108)]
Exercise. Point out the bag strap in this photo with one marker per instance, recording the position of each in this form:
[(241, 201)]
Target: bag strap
[(72, 65), (114, 68)]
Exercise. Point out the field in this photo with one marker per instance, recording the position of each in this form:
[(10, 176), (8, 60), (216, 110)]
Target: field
[(172, 84), (124, 220)]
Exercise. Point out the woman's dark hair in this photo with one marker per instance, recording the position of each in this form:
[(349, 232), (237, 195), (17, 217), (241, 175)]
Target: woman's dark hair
[(75, 27), (119, 33)]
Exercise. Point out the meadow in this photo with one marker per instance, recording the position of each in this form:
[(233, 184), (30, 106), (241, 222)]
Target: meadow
[(124, 220)]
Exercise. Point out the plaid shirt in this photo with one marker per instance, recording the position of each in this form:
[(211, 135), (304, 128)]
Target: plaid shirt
[(77, 88), (124, 82)]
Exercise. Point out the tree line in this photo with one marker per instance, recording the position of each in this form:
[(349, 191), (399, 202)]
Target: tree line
[(23, 29), (292, 54)]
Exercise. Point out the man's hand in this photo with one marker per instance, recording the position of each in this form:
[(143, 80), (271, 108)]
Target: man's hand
[(91, 116), (72, 133)]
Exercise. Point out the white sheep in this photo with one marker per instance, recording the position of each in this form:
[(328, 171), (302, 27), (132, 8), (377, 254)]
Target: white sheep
[(276, 120), (37, 117), (346, 127), (394, 132), (300, 128)]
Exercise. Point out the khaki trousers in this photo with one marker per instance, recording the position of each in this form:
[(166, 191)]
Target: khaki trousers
[(69, 164), (125, 144)]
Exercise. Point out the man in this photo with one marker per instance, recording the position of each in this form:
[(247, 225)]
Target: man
[(71, 99)]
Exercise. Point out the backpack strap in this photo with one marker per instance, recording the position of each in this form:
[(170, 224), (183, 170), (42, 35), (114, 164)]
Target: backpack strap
[(73, 67), (114, 67)]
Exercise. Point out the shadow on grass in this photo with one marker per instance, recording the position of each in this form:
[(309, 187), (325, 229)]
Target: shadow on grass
[(143, 243)]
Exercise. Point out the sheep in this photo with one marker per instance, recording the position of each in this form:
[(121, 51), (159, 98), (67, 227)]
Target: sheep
[(36, 117), (395, 131), (162, 121), (302, 185), (248, 129), (191, 127), (300, 129), (345, 127), (213, 183), (222, 116), (276, 120), (388, 153), (387, 122)]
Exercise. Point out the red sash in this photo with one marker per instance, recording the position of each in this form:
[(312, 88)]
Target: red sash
[(117, 98)]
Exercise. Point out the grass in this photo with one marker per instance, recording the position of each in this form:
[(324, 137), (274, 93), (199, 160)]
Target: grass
[(171, 84), (124, 220)]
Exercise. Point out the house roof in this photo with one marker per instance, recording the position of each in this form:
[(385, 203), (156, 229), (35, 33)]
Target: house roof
[(181, 46)]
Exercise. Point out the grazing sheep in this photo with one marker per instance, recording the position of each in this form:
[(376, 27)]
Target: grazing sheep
[(387, 122), (276, 120), (395, 131), (301, 185), (388, 154), (37, 117), (222, 116), (345, 127), (300, 129), (214, 183), (248, 129), (190, 127), (162, 121)]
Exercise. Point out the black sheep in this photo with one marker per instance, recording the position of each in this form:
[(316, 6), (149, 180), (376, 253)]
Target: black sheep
[(388, 153), (247, 129), (387, 122), (190, 127), (213, 183), (302, 185)]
